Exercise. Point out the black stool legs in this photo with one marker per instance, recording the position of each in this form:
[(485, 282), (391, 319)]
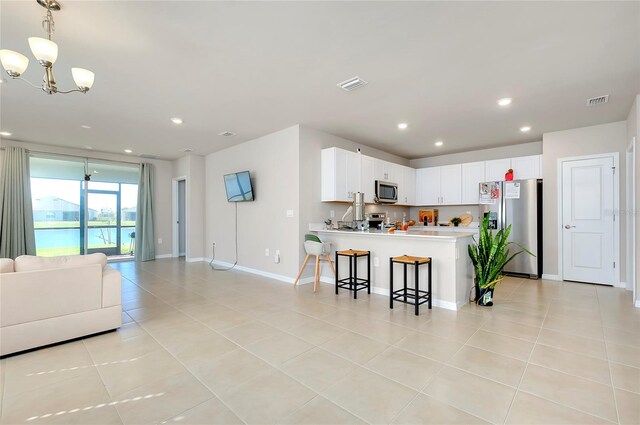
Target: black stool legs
[(415, 295), (353, 282)]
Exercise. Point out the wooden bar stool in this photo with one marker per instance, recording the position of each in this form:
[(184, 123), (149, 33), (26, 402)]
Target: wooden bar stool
[(314, 246), (417, 296), (353, 282)]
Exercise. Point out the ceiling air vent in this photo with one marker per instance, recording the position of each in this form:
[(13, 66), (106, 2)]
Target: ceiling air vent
[(226, 134), (352, 84), (598, 100), (148, 156)]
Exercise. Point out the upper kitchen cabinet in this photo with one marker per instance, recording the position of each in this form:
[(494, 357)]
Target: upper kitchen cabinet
[(527, 167), (472, 176), (367, 178), (386, 171), (451, 184), (406, 185), (340, 174), (495, 169), (439, 185)]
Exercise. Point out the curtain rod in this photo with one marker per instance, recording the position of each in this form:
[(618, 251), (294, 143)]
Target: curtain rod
[(73, 156)]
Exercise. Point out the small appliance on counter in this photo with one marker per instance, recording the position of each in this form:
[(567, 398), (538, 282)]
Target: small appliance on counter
[(356, 213), (376, 220)]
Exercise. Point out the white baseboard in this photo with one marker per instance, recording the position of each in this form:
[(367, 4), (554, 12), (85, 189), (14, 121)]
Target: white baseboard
[(551, 277), (157, 257), (195, 260), (274, 276)]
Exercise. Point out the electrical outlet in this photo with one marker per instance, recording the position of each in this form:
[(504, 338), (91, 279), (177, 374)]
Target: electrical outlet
[(332, 213), (159, 241), (276, 258), (395, 214), (376, 262), (266, 252)]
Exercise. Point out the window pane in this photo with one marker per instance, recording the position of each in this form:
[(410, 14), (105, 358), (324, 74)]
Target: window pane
[(93, 185), (56, 216)]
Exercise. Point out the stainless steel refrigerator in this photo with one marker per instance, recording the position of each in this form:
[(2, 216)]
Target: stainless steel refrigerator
[(519, 204)]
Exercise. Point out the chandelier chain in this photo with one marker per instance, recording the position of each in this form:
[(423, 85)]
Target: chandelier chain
[(48, 23)]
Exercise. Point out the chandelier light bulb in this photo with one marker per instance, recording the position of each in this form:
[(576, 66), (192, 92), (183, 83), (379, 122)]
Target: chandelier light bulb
[(13, 62), (46, 51), (83, 78)]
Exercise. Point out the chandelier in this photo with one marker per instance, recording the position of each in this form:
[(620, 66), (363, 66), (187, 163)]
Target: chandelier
[(46, 52)]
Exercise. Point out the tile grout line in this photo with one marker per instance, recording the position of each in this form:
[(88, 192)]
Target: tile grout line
[(606, 350), (526, 363), (101, 379), (214, 395)]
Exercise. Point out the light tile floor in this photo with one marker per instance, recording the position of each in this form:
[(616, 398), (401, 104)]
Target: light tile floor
[(200, 346)]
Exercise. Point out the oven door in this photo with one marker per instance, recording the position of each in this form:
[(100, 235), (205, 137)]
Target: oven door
[(387, 193)]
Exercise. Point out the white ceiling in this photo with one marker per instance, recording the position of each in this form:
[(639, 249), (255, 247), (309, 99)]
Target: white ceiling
[(256, 67)]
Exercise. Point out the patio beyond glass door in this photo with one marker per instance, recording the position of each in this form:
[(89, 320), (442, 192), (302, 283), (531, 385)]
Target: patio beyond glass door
[(103, 220)]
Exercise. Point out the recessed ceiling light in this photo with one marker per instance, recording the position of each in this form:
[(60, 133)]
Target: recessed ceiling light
[(504, 101), (439, 143), (85, 126), (88, 147), (525, 128), (5, 133), (128, 151), (226, 134), (403, 125), (186, 150), (2, 80), (176, 120)]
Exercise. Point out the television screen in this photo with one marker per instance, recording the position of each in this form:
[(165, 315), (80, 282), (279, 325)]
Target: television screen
[(238, 187)]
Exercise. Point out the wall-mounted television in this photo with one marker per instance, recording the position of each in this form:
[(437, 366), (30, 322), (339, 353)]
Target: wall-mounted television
[(238, 187)]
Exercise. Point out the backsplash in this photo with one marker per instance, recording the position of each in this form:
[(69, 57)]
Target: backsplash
[(447, 212)]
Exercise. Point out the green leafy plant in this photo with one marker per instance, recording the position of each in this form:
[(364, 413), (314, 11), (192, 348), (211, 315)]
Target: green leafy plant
[(489, 255)]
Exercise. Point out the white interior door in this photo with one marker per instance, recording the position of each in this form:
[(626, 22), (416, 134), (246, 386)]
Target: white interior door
[(587, 225)]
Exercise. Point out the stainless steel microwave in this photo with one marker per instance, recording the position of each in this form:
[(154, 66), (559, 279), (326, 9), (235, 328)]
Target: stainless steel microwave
[(386, 192)]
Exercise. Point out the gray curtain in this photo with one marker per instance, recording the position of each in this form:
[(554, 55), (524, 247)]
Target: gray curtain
[(145, 247), (16, 214)]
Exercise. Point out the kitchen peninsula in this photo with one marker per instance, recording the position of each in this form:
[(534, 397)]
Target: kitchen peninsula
[(452, 269)]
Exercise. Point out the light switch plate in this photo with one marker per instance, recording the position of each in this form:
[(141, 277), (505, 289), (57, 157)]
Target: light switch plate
[(159, 241), (289, 213)]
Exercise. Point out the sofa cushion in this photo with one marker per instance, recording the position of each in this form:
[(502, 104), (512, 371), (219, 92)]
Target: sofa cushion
[(26, 263), (6, 265)]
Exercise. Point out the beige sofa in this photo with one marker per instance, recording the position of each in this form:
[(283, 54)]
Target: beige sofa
[(44, 300)]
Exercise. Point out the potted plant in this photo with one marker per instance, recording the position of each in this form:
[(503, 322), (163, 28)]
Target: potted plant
[(456, 221), (489, 255)]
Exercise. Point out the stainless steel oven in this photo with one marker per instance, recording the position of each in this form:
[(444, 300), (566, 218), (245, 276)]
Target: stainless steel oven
[(386, 192)]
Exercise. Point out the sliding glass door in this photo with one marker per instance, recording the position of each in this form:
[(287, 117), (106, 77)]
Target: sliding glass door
[(83, 206)]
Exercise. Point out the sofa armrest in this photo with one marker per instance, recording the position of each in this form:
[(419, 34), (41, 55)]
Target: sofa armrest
[(111, 287)]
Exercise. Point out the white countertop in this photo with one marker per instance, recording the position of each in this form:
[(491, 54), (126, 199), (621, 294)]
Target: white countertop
[(415, 234)]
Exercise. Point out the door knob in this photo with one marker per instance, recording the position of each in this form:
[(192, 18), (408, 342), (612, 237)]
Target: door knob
[(568, 227)]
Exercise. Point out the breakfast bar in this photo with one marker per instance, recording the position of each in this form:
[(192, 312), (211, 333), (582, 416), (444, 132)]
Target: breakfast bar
[(452, 268)]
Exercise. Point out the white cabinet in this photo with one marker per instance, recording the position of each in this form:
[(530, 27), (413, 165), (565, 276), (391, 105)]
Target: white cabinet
[(451, 184), (428, 186), (472, 176), (406, 177), (385, 170), (495, 169), (439, 185), (527, 167), (340, 171), (367, 178)]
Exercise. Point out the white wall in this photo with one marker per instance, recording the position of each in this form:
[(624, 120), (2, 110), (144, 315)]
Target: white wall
[(273, 161), (511, 151), (592, 140), (161, 190), (633, 130), (195, 205)]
